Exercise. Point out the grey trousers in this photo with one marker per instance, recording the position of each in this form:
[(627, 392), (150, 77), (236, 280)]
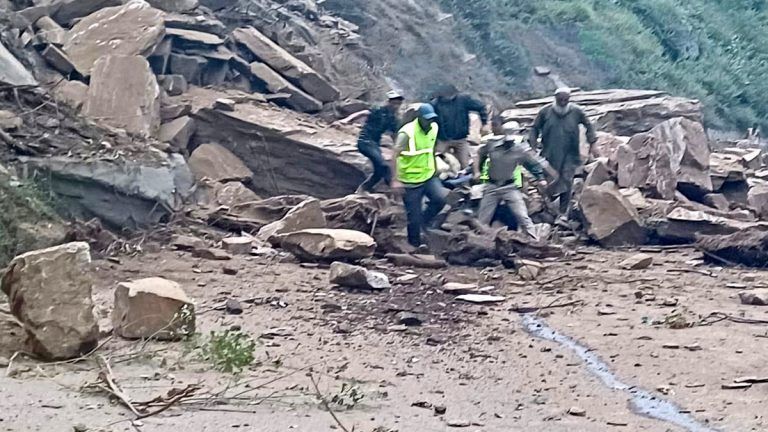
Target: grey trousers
[(493, 196)]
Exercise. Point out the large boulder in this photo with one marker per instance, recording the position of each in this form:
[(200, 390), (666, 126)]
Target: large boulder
[(758, 200), (124, 94), (609, 218), (674, 154), (281, 61), (726, 170), (682, 225), (308, 214), (217, 163), (153, 308), (274, 83), (132, 29), (126, 195), (748, 247), (50, 293), (328, 244)]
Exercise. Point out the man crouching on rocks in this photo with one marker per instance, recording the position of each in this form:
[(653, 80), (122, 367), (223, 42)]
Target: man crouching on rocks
[(415, 168), (499, 164)]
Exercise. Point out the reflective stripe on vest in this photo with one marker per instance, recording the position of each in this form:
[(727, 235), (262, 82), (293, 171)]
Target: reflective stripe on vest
[(416, 163)]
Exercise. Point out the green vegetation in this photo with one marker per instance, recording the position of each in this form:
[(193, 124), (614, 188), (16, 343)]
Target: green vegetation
[(22, 206), (712, 50), (229, 351)]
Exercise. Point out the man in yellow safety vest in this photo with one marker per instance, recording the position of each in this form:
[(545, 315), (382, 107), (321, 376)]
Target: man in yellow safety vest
[(415, 168)]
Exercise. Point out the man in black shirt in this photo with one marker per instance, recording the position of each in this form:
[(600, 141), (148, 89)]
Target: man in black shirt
[(380, 120), (453, 111)]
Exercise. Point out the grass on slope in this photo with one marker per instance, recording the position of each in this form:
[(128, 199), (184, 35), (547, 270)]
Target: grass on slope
[(713, 50)]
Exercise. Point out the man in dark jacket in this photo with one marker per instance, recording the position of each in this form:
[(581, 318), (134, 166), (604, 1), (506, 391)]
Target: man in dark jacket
[(380, 120), (558, 125), (453, 111)]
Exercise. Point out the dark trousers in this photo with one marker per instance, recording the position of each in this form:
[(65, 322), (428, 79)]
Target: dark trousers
[(413, 199), (381, 169)]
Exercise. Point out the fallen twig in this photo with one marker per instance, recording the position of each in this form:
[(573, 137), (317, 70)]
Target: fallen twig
[(682, 270), (175, 397), (716, 317), (325, 402), (107, 377), (717, 258)]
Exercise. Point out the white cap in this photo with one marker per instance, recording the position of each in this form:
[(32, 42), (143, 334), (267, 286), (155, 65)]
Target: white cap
[(394, 94), (563, 90)]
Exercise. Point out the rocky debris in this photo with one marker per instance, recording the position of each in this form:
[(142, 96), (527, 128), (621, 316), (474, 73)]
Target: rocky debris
[(211, 254), (515, 244), (357, 212), (353, 276), (12, 72), (292, 154), (599, 173), (238, 245), (152, 308), (748, 247), (684, 226), (637, 262), (224, 104), (233, 307), (49, 291), (10, 121), (232, 194), (172, 111), (328, 244), (187, 243), (173, 85), (674, 154), (275, 83), (215, 162), (252, 216), (463, 247), (307, 214), (609, 218), (72, 93), (122, 194), (758, 200), (124, 93), (281, 61), (754, 298), (620, 112), (416, 260), (577, 412), (457, 288), (58, 59), (133, 29), (178, 133), (175, 5)]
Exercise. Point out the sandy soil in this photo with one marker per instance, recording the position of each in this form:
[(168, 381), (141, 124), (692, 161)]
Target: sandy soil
[(477, 361)]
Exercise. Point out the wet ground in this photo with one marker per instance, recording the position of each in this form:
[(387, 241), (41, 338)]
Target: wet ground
[(627, 352)]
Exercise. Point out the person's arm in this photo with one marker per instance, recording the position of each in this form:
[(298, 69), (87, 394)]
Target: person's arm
[(353, 117), (474, 105), (538, 166), (538, 124), (591, 135), (482, 155), (400, 143)]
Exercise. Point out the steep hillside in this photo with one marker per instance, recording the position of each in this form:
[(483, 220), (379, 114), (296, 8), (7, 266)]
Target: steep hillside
[(713, 50)]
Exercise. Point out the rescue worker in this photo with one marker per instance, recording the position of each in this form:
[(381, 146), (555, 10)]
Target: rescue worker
[(502, 158), (415, 168), (453, 111), (558, 125), (380, 120)]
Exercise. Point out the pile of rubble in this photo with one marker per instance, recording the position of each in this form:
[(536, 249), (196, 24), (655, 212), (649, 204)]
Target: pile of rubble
[(658, 180)]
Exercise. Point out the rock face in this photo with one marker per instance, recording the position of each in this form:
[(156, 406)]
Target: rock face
[(269, 140), (125, 195), (353, 276), (154, 308), (124, 94), (132, 29), (12, 72), (285, 64), (328, 244), (50, 293), (609, 218), (675, 154), (274, 83), (217, 163), (308, 214)]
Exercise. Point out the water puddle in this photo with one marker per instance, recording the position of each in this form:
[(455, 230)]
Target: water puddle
[(643, 402)]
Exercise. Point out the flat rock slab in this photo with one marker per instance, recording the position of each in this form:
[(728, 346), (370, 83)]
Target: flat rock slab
[(215, 162), (132, 29), (153, 308), (124, 94), (328, 244), (306, 215), (12, 72), (238, 245), (49, 291), (273, 82), (480, 298), (637, 262)]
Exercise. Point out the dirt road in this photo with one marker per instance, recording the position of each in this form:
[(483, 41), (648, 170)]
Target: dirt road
[(477, 361)]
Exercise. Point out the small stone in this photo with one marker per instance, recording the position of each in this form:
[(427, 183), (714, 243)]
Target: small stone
[(736, 386), (637, 262), (186, 243), (10, 121), (456, 288), (750, 277), (230, 271), (343, 328), (577, 412), (670, 302), (735, 286), (693, 347), (233, 307), (211, 254), (480, 298), (409, 319), (440, 409), (422, 404), (606, 311), (459, 423), (671, 346), (751, 380), (406, 279), (618, 423), (397, 328), (4, 362), (757, 297), (238, 245), (224, 105)]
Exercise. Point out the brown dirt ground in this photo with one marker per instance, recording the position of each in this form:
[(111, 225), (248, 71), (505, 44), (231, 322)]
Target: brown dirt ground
[(477, 361)]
